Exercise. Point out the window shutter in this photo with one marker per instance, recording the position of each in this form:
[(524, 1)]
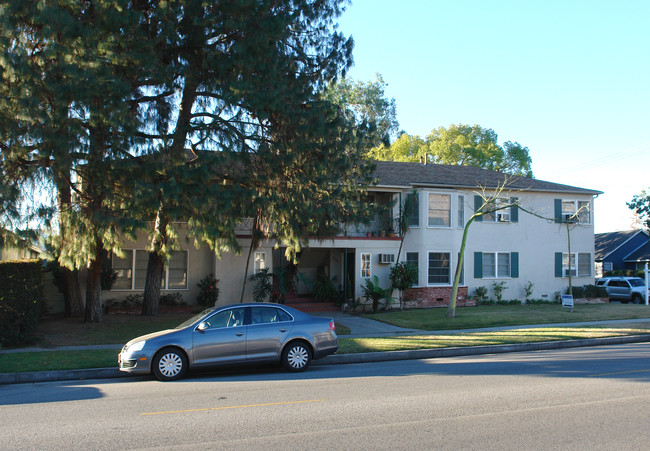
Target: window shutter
[(478, 201), (514, 210), (514, 265), (558, 264), (478, 265), (558, 210)]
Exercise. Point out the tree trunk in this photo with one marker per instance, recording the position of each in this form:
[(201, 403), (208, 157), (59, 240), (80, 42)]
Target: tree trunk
[(93, 312), (152, 284), (74, 307)]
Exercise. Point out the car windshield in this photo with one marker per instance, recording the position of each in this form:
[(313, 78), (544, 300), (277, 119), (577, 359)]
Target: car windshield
[(194, 318), (636, 282)]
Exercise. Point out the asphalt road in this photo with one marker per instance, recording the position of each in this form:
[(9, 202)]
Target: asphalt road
[(583, 398)]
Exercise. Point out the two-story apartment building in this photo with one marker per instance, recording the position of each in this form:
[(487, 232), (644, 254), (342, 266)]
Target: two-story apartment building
[(525, 243)]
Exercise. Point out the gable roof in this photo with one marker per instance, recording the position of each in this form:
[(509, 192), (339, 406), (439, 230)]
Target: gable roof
[(606, 243), (407, 175)]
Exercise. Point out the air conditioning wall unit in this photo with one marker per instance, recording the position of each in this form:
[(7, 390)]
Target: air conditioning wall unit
[(386, 259), (569, 218)]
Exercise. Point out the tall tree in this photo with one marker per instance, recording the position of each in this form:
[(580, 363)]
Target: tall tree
[(65, 85), (460, 145), (366, 105), (640, 205)]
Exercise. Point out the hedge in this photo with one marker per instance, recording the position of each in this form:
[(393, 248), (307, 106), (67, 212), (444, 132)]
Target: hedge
[(21, 300)]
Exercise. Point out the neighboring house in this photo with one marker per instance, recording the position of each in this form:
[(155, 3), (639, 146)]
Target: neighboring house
[(511, 246), (17, 252), (619, 251)]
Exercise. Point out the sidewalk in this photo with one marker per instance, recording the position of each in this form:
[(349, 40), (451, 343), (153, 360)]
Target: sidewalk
[(359, 327)]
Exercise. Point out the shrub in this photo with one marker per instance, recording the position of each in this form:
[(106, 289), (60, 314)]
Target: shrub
[(589, 291), (209, 294), (403, 276), (480, 294), (21, 301), (528, 289), (324, 289), (498, 288)]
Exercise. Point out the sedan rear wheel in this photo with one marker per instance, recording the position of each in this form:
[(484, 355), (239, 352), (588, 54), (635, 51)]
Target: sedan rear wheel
[(169, 364), (296, 357)]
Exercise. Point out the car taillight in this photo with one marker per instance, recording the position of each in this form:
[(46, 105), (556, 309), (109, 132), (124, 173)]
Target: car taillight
[(332, 326)]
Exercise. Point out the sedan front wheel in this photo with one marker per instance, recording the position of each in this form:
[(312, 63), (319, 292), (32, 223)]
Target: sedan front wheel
[(169, 364), (296, 357)]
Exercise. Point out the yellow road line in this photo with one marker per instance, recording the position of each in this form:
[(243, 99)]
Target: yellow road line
[(620, 372), (235, 407)]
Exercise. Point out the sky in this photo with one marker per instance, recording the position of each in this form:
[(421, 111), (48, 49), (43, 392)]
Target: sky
[(568, 79)]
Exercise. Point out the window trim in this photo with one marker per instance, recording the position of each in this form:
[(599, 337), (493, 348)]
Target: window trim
[(575, 265), (450, 271), (449, 223), (417, 261), (363, 268), (496, 265)]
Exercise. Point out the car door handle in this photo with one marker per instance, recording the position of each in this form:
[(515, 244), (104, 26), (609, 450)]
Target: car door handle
[(283, 330), (239, 334)]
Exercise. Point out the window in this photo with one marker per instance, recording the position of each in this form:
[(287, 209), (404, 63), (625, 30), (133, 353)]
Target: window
[(365, 266), (439, 268), (415, 212), (579, 264), (461, 211), (501, 211), (263, 315), (439, 210), (573, 211), (260, 261), (131, 271), (495, 265), (413, 259), (227, 318)]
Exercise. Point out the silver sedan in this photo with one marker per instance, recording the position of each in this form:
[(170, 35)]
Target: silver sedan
[(232, 334)]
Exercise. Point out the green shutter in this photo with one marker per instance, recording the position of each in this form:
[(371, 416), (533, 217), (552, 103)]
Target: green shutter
[(514, 265), (558, 210), (558, 264), (478, 202), (478, 265), (514, 210)]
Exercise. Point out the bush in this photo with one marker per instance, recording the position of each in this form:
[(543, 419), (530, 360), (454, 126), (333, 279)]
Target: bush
[(21, 301), (324, 289), (480, 295), (209, 294), (403, 276)]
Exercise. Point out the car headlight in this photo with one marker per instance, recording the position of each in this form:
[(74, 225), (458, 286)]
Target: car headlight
[(137, 346)]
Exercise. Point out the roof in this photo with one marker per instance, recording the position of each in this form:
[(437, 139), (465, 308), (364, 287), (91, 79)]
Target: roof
[(402, 174), (642, 254), (606, 243)]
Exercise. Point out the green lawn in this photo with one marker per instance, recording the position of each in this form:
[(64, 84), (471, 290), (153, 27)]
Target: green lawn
[(117, 329), (509, 315)]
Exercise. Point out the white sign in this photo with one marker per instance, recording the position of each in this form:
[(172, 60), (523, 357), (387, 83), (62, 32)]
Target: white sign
[(567, 300)]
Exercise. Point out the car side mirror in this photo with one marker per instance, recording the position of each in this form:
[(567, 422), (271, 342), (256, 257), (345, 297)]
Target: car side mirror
[(202, 326)]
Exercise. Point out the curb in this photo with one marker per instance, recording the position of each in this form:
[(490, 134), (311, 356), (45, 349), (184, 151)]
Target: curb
[(366, 357)]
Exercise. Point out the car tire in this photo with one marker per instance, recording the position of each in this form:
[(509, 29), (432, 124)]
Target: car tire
[(169, 364), (296, 356), (636, 298)]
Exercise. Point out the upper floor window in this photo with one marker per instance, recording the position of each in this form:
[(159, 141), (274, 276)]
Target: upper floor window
[(501, 209), (573, 211), (415, 210), (439, 210), (461, 211)]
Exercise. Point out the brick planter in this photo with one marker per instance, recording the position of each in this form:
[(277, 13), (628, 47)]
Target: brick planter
[(426, 297)]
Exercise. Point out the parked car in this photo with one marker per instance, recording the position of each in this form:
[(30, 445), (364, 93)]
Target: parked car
[(629, 289), (232, 334)]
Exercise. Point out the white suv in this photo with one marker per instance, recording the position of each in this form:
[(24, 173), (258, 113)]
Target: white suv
[(630, 289)]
